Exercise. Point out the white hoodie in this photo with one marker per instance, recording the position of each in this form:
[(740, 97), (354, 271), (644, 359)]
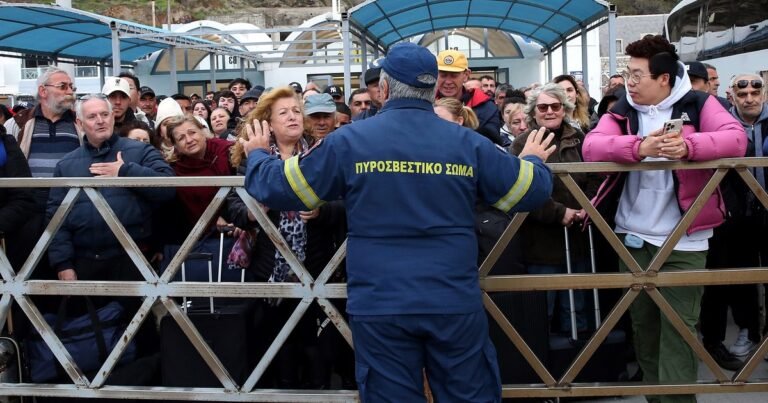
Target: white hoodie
[(648, 207)]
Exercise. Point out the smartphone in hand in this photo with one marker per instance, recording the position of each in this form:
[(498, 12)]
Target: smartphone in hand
[(673, 125)]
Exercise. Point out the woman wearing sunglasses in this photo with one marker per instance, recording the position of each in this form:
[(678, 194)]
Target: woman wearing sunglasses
[(544, 240)]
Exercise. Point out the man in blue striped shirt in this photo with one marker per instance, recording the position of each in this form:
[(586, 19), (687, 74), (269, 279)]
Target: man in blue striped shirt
[(45, 139)]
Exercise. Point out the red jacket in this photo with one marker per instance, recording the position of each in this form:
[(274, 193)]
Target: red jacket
[(215, 162)]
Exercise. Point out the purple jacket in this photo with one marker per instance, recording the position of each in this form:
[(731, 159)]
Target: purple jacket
[(719, 136)]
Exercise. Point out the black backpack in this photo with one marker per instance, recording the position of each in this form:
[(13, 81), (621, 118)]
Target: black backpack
[(490, 224)]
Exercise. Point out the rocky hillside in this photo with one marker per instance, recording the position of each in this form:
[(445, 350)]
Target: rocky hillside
[(265, 13)]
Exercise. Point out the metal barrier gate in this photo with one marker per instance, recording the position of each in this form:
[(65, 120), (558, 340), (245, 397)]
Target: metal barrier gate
[(160, 289)]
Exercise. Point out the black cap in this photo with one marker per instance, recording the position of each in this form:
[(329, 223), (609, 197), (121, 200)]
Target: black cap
[(296, 87), (372, 75), (253, 93), (21, 105), (145, 91), (343, 108), (697, 69), (334, 91)]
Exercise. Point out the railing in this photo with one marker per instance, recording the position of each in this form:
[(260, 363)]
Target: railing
[(32, 73), (160, 289), (86, 71)]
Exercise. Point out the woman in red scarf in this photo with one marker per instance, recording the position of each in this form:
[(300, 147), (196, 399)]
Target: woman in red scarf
[(196, 155)]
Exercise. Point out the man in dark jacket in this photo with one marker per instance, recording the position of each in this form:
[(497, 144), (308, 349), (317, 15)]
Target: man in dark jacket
[(453, 72), (734, 243), (84, 247), (372, 87)]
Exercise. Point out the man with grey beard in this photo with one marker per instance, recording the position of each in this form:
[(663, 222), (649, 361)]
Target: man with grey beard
[(47, 137), (51, 132)]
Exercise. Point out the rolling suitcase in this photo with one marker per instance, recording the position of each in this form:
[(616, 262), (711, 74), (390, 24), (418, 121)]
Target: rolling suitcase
[(226, 327), (608, 364)]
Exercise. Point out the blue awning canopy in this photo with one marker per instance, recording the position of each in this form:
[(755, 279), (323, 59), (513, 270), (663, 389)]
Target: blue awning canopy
[(546, 22), (67, 33)]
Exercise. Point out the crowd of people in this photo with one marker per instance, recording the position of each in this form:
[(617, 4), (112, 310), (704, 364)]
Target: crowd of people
[(309, 155)]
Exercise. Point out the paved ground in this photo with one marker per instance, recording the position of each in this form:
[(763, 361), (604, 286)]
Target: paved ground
[(705, 374)]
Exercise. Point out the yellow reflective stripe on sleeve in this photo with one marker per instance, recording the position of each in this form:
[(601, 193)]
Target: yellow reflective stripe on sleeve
[(299, 184), (519, 189)]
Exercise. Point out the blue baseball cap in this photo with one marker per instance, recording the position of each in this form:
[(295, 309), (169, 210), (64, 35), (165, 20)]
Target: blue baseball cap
[(317, 103), (411, 64)]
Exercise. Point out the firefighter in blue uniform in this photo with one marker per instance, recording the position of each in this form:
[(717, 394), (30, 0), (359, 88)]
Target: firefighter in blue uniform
[(410, 181)]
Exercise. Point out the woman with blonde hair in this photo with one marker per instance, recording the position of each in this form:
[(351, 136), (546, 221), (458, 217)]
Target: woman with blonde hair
[(453, 110), (313, 236), (194, 154), (515, 121)]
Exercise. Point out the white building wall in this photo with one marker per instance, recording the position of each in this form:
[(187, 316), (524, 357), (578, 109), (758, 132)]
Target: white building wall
[(593, 81), (10, 71), (275, 76)]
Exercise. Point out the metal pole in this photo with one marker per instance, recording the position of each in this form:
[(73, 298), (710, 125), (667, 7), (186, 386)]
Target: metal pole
[(101, 74), (485, 42), (168, 20), (549, 66), (212, 57), (584, 59), (115, 49), (445, 39), (242, 67), (172, 60), (564, 49), (347, 45), (571, 296), (364, 60), (612, 39), (154, 18)]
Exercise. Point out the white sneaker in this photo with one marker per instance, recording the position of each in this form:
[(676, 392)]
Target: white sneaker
[(743, 346)]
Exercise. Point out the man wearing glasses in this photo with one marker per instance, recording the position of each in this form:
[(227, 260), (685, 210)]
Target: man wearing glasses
[(733, 244), (44, 140), (651, 203)]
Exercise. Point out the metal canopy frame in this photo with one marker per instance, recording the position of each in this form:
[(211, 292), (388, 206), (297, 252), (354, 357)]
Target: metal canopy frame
[(546, 22), (67, 33), (550, 23)]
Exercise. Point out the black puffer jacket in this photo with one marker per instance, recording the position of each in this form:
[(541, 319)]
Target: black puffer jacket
[(84, 232), (16, 204)]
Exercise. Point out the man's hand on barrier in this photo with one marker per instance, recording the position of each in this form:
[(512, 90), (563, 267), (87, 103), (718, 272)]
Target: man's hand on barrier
[(107, 168), (651, 145), (673, 146), (538, 145), (68, 275), (256, 136)]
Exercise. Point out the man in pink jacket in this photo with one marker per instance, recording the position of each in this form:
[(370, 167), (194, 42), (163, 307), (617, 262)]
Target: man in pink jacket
[(651, 203)]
